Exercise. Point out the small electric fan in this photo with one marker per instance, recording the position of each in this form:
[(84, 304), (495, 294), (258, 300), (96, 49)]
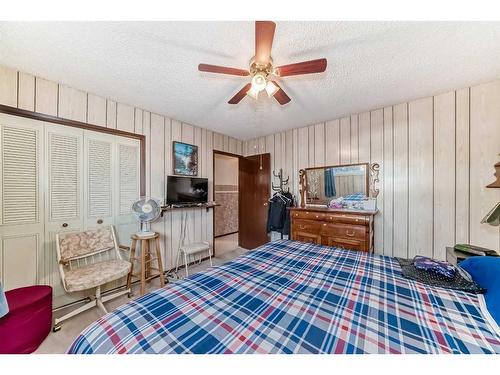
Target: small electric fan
[(146, 210)]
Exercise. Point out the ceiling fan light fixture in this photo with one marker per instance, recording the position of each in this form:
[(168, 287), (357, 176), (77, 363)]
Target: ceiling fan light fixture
[(262, 67), (259, 82), (253, 93), (271, 88)]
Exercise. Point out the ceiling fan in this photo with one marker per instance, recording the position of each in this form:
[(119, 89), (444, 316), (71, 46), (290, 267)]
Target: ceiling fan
[(262, 69)]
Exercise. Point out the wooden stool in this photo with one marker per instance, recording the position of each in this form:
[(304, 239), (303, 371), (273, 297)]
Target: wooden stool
[(146, 260)]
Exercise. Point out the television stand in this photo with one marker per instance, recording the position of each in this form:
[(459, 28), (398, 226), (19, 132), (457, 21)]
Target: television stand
[(207, 206)]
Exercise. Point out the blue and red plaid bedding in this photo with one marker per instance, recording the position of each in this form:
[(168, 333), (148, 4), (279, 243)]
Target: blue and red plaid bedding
[(292, 297)]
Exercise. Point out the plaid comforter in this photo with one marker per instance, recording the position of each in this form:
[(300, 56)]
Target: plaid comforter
[(292, 297)]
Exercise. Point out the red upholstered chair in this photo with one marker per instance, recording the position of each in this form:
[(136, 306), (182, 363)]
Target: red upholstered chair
[(28, 321)]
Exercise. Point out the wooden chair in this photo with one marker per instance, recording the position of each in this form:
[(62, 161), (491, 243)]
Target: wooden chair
[(88, 260)]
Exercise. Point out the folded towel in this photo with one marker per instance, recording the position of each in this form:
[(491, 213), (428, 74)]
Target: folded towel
[(432, 265)]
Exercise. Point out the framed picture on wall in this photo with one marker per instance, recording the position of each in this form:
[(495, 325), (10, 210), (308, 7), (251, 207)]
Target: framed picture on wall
[(185, 159)]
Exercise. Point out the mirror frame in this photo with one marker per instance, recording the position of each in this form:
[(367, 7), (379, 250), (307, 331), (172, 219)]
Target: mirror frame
[(372, 171), (367, 175)]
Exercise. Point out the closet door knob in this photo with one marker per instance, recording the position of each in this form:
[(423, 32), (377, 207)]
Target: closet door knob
[(99, 221), (65, 225), (265, 204)]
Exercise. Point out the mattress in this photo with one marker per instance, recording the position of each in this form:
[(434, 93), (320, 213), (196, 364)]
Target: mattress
[(292, 297)]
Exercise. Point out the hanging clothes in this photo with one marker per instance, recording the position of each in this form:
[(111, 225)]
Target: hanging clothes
[(330, 183), (278, 217)]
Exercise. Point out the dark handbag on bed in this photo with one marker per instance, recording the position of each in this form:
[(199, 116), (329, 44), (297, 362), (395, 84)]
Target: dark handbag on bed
[(460, 281)]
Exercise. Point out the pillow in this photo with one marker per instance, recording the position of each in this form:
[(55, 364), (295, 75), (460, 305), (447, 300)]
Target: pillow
[(485, 270), (4, 307)]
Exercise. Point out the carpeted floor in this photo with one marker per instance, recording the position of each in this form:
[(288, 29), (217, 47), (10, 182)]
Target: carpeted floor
[(58, 342)]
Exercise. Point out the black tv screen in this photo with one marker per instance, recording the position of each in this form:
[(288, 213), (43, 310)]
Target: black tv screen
[(185, 190)]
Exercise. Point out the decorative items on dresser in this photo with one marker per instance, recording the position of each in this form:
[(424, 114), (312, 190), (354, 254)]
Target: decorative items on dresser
[(350, 229), (338, 206)]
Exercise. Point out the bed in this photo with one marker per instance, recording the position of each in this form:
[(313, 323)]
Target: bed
[(293, 297)]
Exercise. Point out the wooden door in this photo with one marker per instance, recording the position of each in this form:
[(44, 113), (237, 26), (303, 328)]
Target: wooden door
[(21, 202), (99, 179), (64, 200), (254, 180)]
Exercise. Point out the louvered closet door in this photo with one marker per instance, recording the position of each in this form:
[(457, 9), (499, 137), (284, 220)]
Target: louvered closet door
[(99, 167), (63, 195), (21, 204), (127, 187)]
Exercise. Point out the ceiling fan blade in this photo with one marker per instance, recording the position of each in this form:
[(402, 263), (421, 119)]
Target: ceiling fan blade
[(264, 35), (222, 70), (306, 67), (240, 94), (280, 95)]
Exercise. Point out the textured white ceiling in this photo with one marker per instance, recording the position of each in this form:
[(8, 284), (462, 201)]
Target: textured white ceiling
[(153, 65)]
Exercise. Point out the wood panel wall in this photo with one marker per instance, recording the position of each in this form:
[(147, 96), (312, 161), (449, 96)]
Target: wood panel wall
[(436, 156), (23, 90)]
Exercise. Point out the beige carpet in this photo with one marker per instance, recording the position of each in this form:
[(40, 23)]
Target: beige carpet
[(226, 244), (58, 342)]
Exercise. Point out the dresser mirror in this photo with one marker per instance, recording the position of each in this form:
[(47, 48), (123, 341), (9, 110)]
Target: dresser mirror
[(326, 183)]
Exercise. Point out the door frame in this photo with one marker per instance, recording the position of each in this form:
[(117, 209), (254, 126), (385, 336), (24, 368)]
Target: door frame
[(13, 111), (215, 152)]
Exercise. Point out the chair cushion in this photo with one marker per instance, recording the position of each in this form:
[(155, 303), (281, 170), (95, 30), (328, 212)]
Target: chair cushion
[(74, 245), (96, 274)]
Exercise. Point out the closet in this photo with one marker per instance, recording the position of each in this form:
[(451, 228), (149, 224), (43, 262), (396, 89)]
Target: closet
[(56, 178)]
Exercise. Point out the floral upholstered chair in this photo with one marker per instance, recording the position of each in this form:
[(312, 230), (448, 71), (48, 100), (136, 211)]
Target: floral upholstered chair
[(88, 260)]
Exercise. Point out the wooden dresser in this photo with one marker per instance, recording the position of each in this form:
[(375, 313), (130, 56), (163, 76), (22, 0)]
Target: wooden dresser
[(349, 229)]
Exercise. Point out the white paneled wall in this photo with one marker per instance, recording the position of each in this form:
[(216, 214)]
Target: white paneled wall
[(23, 90), (436, 156)]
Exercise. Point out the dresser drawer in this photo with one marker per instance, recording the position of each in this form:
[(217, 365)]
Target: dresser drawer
[(347, 219), (357, 232), (308, 226), (308, 215), (350, 244)]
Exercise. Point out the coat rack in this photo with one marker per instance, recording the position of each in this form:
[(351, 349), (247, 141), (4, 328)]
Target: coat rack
[(282, 181)]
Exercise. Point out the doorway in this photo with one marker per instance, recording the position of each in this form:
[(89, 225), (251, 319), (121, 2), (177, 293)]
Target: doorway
[(226, 195), (241, 190)]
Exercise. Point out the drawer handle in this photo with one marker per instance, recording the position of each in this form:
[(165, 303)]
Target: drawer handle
[(99, 221), (302, 226), (317, 216), (349, 234), (65, 225)]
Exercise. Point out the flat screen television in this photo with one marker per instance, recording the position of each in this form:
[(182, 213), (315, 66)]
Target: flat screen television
[(186, 190)]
